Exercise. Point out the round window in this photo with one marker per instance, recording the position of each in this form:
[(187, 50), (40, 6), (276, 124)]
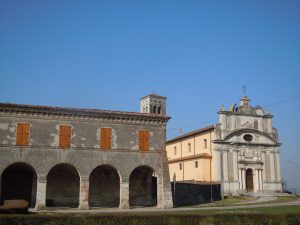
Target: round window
[(248, 137)]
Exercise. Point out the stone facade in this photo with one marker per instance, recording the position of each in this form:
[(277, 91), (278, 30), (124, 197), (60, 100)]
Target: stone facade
[(241, 152), (83, 174)]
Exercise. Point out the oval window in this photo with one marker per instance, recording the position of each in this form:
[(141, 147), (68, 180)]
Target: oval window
[(248, 137)]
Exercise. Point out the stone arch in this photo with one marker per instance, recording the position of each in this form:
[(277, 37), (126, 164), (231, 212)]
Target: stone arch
[(249, 180), (63, 186), (143, 187), (19, 181), (104, 188)]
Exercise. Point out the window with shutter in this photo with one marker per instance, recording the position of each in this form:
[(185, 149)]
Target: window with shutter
[(22, 137), (143, 140), (64, 136), (105, 142)]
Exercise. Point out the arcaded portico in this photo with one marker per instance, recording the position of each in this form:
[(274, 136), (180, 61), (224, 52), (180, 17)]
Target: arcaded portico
[(62, 157)]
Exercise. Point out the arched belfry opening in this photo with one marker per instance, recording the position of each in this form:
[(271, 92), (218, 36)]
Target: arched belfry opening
[(18, 181), (153, 103), (249, 180), (104, 187), (63, 183), (142, 187)]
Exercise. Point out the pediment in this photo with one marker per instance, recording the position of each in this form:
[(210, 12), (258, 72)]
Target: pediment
[(249, 136)]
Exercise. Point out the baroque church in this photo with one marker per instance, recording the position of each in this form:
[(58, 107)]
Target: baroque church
[(241, 152)]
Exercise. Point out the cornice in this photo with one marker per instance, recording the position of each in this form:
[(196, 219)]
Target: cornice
[(198, 156), (245, 144), (244, 114), (93, 114)]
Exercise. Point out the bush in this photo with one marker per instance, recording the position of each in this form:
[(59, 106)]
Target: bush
[(224, 219)]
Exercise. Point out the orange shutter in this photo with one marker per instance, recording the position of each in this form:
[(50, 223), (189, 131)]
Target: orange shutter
[(68, 137), (141, 143), (25, 136), (22, 137), (108, 138), (146, 140), (64, 136), (143, 140), (103, 138), (61, 137), (105, 142), (19, 134)]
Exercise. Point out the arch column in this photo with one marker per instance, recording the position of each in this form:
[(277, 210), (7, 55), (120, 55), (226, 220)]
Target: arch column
[(84, 193), (41, 192), (124, 193)]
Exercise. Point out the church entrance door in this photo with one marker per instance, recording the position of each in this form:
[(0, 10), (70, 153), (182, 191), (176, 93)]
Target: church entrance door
[(249, 180)]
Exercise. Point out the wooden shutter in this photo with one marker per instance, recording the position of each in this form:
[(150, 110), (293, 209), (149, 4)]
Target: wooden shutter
[(105, 142), (19, 134), (22, 137), (25, 136), (64, 136), (144, 140)]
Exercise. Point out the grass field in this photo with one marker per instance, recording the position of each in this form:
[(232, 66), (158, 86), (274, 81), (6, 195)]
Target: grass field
[(281, 215)]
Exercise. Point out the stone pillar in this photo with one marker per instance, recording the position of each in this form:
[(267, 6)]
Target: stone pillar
[(41, 193), (225, 166), (258, 179), (124, 194), (264, 167), (160, 192), (278, 167), (272, 170), (84, 193), (255, 180), (240, 179), (218, 164), (261, 179), (235, 167), (244, 179)]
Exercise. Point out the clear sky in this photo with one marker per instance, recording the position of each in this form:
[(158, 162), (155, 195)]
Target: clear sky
[(199, 54)]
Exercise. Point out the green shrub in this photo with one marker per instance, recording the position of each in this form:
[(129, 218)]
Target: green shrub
[(85, 219)]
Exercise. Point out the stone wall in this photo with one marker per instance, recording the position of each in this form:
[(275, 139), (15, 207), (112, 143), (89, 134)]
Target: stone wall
[(84, 155)]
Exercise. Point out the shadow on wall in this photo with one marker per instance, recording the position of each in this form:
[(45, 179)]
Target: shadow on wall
[(195, 194)]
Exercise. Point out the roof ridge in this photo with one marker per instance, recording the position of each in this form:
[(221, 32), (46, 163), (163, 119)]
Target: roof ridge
[(192, 133)]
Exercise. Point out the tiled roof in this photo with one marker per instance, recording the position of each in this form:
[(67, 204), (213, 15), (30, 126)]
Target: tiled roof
[(78, 111), (191, 133)]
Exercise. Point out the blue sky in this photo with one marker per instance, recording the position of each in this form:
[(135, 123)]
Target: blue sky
[(108, 54)]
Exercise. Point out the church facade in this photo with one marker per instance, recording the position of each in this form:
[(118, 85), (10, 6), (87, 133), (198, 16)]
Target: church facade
[(67, 157), (241, 152)]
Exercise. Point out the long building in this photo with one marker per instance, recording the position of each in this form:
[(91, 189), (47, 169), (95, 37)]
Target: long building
[(241, 152), (69, 157)]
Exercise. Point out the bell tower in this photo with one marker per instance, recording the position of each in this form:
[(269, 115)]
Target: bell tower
[(153, 104)]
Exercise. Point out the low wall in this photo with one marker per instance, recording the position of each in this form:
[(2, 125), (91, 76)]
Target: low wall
[(195, 194)]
